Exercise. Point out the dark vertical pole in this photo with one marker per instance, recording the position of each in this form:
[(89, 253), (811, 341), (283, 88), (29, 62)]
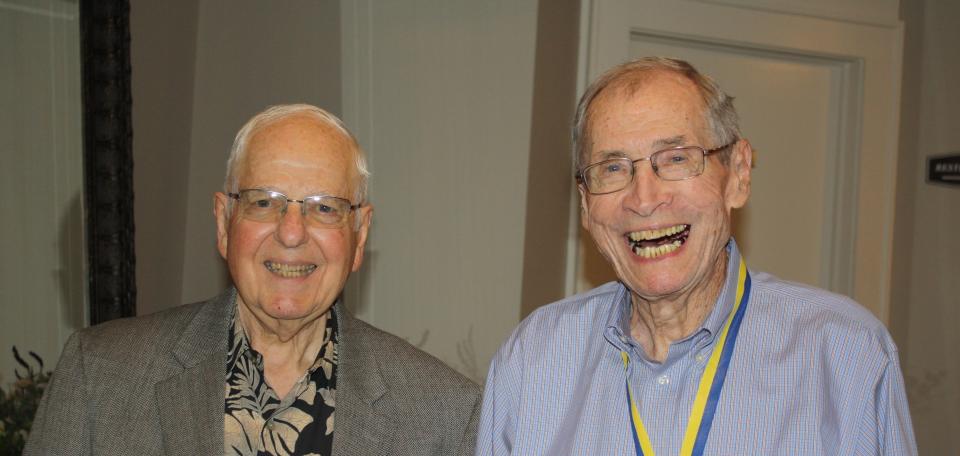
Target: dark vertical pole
[(107, 157)]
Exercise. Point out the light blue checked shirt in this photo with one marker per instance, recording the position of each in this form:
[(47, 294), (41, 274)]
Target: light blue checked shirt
[(813, 373)]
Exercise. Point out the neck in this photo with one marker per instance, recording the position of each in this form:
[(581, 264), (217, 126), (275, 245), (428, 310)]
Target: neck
[(655, 323), (289, 348)]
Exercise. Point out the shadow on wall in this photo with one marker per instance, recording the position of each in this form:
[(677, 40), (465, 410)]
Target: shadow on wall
[(71, 275)]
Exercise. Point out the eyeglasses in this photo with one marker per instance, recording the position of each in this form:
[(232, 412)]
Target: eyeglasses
[(676, 163), (269, 206)]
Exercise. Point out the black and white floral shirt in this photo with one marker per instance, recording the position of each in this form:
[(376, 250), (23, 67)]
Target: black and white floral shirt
[(257, 422)]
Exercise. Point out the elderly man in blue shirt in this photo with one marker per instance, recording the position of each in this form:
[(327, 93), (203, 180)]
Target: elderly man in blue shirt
[(690, 352)]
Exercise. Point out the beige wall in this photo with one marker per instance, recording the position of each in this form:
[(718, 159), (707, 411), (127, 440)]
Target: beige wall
[(926, 312), (549, 175), (163, 39)]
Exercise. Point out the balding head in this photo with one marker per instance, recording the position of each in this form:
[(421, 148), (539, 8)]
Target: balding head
[(719, 114), (277, 113)]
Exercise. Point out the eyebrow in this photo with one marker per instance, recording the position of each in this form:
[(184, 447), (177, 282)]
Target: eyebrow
[(659, 144), (271, 188), (672, 141)]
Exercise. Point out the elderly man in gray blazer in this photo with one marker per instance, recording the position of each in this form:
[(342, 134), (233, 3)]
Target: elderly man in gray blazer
[(276, 365)]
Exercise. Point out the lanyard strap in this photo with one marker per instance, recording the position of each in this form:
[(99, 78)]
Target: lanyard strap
[(708, 393)]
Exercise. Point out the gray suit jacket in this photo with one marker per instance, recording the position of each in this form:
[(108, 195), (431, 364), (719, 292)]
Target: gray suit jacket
[(155, 385)]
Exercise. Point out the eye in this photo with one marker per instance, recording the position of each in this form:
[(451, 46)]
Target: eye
[(324, 209), (678, 158), (613, 167), (262, 203), (674, 158)]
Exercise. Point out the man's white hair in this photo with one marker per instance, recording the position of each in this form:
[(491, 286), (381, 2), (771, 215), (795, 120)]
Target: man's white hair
[(275, 113)]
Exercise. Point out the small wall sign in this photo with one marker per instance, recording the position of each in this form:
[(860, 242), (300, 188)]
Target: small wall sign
[(944, 169)]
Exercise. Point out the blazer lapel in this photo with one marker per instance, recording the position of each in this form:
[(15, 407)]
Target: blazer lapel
[(190, 402), (364, 422)]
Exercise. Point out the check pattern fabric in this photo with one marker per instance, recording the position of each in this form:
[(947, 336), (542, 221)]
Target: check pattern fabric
[(257, 422), (813, 373)]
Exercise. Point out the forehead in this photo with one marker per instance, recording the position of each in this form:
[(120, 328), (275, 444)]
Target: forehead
[(641, 111), (298, 150)]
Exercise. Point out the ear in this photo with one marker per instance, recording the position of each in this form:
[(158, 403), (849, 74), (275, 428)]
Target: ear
[(584, 212), (738, 181), (220, 202), (366, 214)]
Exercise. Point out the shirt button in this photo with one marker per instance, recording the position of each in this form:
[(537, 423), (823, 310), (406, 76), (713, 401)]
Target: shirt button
[(700, 358), (663, 380)]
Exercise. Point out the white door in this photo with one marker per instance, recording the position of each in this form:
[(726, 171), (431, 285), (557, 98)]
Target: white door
[(818, 99)]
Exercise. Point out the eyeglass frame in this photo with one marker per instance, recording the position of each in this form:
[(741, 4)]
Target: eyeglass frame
[(303, 211), (581, 180)]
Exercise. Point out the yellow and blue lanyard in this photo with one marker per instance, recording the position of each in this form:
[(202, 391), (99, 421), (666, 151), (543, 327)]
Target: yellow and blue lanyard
[(708, 393)]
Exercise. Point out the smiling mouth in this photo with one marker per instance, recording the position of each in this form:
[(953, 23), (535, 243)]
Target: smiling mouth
[(655, 243), (290, 271)]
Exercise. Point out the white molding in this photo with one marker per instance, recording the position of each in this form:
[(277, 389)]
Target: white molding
[(871, 12), (357, 112)]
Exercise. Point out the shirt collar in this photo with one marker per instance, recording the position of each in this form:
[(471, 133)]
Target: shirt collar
[(618, 317), (724, 305)]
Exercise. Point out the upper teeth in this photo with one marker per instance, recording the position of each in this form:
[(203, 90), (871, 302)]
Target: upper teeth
[(656, 234), (290, 270)]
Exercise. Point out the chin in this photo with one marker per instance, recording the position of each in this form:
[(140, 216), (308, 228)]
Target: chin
[(288, 309), (653, 284)]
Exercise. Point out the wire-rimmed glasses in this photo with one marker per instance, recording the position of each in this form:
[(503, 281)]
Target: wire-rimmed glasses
[(269, 206), (673, 164)]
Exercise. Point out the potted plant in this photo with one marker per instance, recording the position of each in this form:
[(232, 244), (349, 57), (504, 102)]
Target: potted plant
[(18, 405)]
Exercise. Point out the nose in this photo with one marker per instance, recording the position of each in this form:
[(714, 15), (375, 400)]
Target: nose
[(647, 192), (292, 229)]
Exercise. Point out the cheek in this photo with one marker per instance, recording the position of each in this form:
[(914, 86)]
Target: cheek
[(245, 240), (600, 212), (334, 245)]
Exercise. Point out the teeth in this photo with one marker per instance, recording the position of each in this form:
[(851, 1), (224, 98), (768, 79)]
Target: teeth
[(655, 251), (289, 270), (656, 234)]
